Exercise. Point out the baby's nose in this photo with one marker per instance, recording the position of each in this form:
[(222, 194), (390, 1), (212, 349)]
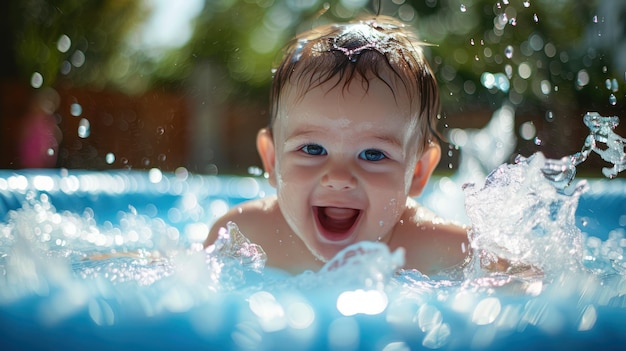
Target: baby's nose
[(338, 177)]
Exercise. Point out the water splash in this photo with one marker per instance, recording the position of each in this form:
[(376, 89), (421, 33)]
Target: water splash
[(44, 252), (233, 244), (561, 172), (115, 275), (482, 150), (368, 35), (224, 298), (539, 221)]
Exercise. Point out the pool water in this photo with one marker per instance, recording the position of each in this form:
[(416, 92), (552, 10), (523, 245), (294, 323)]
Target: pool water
[(113, 261)]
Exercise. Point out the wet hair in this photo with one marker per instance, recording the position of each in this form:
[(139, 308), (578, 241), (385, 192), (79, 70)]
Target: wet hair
[(377, 47)]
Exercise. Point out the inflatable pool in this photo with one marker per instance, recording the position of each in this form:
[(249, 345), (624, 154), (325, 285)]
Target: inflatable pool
[(112, 260)]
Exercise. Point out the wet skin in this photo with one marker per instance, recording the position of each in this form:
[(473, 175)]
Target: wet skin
[(345, 163)]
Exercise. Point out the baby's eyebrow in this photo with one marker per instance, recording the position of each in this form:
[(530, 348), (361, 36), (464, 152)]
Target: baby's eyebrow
[(305, 131), (389, 139)]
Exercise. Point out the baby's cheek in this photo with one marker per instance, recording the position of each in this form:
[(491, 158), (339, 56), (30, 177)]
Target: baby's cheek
[(390, 210), (291, 173), (291, 211), (396, 205)]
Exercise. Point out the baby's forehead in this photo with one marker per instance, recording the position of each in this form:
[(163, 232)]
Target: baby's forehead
[(374, 103), (383, 85)]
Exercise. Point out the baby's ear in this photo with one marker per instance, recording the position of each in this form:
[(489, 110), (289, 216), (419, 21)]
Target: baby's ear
[(265, 147), (424, 168)]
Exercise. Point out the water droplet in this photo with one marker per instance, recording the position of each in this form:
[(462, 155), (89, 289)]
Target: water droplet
[(50, 152), (595, 19), (36, 80), (604, 69), (536, 18), (450, 153), (472, 42), (64, 43), (84, 128), (549, 116), (76, 109), (463, 8), (607, 83), (513, 21), (527, 130), (66, 68), (538, 141), (506, 2), (508, 51), (160, 131), (255, 171), (582, 78), (612, 99), (546, 87), (109, 158), (526, 3), (78, 58), (162, 157), (508, 69), (614, 85)]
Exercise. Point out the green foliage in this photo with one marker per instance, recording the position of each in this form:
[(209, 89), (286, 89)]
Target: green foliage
[(244, 38), (548, 41), (95, 31), (539, 45), (552, 56)]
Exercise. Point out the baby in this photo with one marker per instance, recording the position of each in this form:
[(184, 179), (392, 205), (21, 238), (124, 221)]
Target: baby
[(350, 143)]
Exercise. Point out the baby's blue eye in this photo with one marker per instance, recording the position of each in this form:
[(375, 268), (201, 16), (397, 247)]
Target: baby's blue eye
[(371, 155), (314, 150)]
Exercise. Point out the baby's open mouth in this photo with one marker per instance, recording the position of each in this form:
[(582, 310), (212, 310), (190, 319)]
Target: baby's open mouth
[(336, 222)]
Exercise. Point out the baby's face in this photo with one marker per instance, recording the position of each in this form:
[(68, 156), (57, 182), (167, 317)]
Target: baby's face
[(344, 163)]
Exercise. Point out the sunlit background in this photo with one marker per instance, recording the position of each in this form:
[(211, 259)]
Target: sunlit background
[(168, 84)]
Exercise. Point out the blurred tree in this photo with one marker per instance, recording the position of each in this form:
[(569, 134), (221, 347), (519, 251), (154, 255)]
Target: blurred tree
[(244, 37), (540, 46), (552, 59), (542, 56), (80, 40), (541, 49)]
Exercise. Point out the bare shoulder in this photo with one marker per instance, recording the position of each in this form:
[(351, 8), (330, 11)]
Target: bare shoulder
[(432, 244), (251, 217), (261, 221)]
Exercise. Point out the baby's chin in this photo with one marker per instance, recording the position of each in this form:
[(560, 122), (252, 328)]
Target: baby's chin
[(324, 253)]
